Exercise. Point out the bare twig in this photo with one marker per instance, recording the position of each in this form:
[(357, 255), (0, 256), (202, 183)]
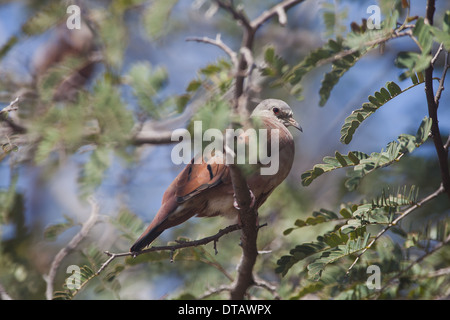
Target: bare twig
[(279, 10), (214, 291), (87, 226), (180, 245), (237, 14), (152, 137), (447, 145), (269, 287), (219, 43), (13, 106), (437, 97), (438, 52)]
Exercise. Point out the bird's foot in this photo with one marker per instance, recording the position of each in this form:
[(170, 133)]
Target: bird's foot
[(252, 203)]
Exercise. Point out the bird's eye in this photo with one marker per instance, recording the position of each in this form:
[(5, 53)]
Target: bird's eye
[(276, 110)]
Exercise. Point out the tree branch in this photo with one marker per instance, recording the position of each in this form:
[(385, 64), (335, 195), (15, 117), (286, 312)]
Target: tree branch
[(248, 220), (432, 111), (218, 43), (278, 10), (247, 214), (152, 137), (186, 244)]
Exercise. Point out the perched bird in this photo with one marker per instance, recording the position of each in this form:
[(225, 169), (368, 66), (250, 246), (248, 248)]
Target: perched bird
[(205, 189)]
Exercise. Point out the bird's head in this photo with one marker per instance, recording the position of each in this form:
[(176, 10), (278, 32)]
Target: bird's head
[(276, 110)]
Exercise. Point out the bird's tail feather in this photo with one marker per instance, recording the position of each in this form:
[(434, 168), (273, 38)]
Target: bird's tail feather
[(145, 239)]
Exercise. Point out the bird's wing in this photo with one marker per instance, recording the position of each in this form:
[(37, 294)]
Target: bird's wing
[(198, 177)]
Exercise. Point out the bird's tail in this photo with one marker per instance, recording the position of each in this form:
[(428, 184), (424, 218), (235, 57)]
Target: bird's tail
[(146, 238)]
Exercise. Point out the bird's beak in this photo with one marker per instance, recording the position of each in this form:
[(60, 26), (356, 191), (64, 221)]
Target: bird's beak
[(291, 122)]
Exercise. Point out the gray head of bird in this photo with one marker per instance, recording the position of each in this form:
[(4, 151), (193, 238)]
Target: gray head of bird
[(276, 109)]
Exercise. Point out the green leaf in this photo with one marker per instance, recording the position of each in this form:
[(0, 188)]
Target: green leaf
[(114, 119), (50, 139), (329, 256), (147, 82), (113, 35), (379, 98), (332, 164), (130, 225), (364, 164), (8, 45), (339, 68), (193, 85), (412, 61), (317, 217), (424, 131), (155, 17), (86, 274), (275, 65), (44, 19), (297, 254), (93, 171), (53, 231)]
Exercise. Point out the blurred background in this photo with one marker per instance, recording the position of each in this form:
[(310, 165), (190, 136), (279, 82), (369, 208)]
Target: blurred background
[(38, 194)]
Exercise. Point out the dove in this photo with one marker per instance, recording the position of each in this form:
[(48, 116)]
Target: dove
[(204, 188)]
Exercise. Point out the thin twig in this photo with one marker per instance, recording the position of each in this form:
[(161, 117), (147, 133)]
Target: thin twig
[(87, 226), (437, 97), (12, 106), (172, 248), (237, 14), (278, 10), (269, 287), (219, 43), (438, 52), (152, 137), (447, 144), (215, 291), (5, 118)]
